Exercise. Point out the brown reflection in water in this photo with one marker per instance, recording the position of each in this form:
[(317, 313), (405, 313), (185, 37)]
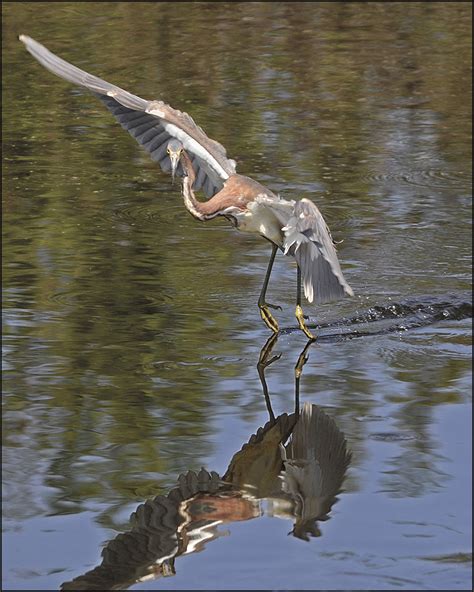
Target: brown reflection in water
[(295, 464)]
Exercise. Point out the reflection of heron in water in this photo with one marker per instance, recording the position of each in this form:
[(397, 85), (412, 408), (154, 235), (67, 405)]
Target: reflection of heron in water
[(293, 467), (174, 141)]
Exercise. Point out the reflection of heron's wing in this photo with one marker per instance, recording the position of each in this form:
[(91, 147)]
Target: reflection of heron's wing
[(151, 123), (255, 468), (155, 538), (317, 459)]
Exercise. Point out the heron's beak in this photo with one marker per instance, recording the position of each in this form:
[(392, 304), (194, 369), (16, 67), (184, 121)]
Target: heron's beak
[(174, 158)]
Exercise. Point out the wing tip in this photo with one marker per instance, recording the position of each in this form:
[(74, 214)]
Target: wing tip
[(348, 291), (30, 42)]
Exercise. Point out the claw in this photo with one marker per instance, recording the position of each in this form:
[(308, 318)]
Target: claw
[(268, 318), (300, 318), (274, 306)]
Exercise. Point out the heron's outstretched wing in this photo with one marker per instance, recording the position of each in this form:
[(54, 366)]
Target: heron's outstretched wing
[(308, 240), (151, 123), (306, 237)]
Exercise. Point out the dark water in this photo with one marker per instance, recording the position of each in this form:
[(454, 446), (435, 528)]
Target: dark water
[(131, 336)]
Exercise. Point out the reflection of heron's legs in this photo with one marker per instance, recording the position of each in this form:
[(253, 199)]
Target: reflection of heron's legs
[(299, 311), (264, 307), (303, 358), (263, 362)]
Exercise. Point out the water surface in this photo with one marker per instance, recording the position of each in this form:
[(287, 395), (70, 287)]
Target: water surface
[(131, 332)]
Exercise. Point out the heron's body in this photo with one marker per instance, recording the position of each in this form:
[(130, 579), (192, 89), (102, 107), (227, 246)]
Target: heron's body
[(243, 201), (175, 141), (258, 218)]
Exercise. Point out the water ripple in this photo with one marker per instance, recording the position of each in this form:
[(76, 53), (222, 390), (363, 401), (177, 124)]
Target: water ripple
[(409, 314), (137, 212), (431, 178)]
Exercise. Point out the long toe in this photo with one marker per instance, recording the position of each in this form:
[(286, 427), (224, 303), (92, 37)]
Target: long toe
[(274, 306), (268, 305)]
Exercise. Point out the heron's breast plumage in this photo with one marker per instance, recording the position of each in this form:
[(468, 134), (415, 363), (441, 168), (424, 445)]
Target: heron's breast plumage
[(245, 201), (259, 219)]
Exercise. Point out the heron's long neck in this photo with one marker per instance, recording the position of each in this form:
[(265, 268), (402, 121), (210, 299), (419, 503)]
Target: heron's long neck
[(232, 196), (188, 167), (194, 207)]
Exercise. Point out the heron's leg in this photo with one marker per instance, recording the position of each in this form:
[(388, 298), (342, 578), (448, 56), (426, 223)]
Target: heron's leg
[(264, 307), (299, 311)]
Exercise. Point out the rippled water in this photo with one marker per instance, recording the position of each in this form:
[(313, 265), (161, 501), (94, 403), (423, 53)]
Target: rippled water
[(131, 336)]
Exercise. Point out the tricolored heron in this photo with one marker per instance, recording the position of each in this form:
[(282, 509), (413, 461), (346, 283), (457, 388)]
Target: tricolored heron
[(175, 141)]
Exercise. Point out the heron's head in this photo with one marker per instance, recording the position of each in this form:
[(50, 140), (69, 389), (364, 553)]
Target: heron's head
[(174, 150)]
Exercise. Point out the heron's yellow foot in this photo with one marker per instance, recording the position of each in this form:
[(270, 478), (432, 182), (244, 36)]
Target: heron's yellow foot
[(300, 318), (268, 318)]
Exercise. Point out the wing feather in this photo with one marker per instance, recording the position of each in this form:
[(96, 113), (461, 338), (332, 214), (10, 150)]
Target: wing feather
[(151, 123), (308, 240)]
